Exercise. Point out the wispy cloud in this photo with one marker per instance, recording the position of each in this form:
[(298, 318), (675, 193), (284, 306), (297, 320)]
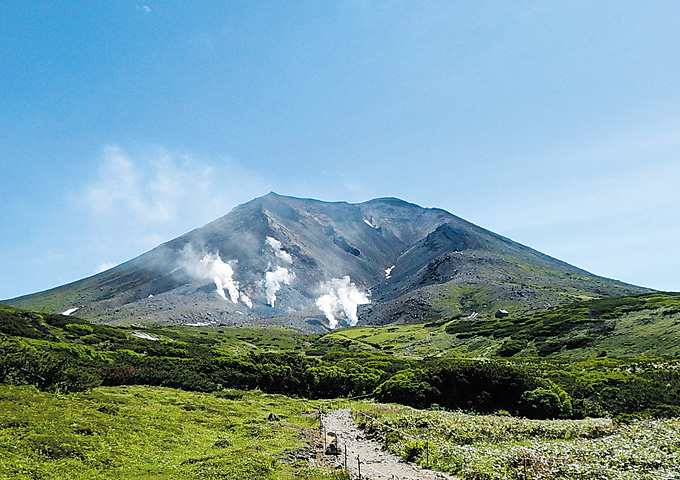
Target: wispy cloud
[(140, 198), (122, 185), (646, 188), (609, 208), (164, 187), (105, 266), (144, 8)]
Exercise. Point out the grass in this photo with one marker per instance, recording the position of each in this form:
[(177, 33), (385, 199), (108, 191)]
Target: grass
[(477, 447), (153, 433), (237, 340), (137, 432), (646, 325), (462, 298), (161, 433)]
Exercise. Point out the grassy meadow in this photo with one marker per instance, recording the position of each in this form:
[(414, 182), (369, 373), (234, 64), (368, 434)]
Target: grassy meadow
[(130, 432), (589, 390)]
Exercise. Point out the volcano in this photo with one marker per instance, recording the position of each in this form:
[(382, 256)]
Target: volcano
[(316, 265)]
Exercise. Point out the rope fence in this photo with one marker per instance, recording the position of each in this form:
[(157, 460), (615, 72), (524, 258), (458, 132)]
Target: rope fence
[(347, 455), (522, 467), (389, 427), (351, 454)]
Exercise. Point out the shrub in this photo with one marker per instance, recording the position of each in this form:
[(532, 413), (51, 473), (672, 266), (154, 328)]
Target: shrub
[(413, 451), (542, 403), (408, 388), (79, 329), (511, 347)]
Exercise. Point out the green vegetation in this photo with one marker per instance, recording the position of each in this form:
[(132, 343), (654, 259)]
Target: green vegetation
[(493, 447), (157, 433), (466, 298), (641, 326), (84, 400), (66, 354)]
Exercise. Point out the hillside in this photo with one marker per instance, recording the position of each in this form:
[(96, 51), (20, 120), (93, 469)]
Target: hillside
[(315, 265), (641, 326), (394, 363), (89, 400)]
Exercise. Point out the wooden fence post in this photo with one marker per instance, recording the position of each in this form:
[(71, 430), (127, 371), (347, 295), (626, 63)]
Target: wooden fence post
[(427, 448)]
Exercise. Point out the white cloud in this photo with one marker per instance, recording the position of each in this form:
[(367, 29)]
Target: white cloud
[(140, 198), (151, 189)]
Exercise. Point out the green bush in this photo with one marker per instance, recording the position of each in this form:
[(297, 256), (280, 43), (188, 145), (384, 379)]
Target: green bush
[(413, 451), (511, 347), (79, 329), (408, 388), (546, 402)]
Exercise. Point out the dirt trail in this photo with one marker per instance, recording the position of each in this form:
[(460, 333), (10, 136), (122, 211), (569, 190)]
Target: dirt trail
[(376, 464)]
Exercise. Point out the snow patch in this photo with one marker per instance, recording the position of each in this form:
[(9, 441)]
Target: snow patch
[(388, 272), (68, 312), (144, 336), (369, 223), (278, 250)]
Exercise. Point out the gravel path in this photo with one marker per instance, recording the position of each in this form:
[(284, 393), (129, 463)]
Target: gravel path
[(376, 464)]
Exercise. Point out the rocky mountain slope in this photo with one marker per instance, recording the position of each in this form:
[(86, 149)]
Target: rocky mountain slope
[(316, 265)]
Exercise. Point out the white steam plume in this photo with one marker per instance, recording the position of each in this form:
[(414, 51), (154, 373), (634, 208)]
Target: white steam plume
[(340, 297), (246, 300), (278, 250), (211, 267), (223, 278), (273, 281)]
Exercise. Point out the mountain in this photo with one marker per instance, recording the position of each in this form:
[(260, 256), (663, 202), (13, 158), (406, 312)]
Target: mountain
[(316, 265)]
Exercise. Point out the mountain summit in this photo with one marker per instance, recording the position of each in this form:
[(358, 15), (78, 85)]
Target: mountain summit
[(316, 265)]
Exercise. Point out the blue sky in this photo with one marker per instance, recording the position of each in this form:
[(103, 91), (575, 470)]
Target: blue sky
[(126, 124)]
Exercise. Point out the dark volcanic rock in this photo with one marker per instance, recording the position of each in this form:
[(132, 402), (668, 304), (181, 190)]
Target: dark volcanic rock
[(275, 258)]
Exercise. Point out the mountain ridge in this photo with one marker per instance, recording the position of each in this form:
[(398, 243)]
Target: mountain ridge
[(310, 264)]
